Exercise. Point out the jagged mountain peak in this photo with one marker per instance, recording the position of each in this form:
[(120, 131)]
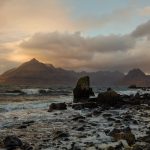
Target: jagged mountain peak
[(136, 72), (135, 77), (34, 60)]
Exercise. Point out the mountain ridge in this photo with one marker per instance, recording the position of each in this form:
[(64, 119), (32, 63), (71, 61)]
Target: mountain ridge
[(35, 72)]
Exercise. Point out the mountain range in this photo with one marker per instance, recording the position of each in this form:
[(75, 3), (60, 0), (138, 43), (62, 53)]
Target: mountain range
[(34, 72)]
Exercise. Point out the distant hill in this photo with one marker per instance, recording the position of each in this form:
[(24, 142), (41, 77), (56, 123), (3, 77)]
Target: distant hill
[(34, 72), (135, 77)]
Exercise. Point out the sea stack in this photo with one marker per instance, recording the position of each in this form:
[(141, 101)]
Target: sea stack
[(82, 91)]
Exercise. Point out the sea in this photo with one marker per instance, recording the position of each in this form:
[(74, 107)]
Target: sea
[(13, 100), (22, 104)]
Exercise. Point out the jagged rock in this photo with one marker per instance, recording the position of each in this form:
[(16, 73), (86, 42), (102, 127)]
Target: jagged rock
[(109, 98), (57, 106), (82, 91), (12, 142)]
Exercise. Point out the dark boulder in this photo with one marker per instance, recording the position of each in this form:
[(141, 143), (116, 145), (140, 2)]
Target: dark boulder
[(57, 106), (109, 98), (12, 142), (82, 91)]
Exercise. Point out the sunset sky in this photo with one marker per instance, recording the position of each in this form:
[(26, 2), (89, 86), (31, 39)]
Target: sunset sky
[(76, 34)]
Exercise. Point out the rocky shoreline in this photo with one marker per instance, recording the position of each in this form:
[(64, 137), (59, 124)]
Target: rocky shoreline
[(125, 128), (107, 122)]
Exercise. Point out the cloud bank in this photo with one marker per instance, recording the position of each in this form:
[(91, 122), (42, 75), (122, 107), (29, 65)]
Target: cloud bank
[(46, 29), (75, 51)]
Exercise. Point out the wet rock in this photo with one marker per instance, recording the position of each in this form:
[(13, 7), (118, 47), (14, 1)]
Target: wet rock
[(59, 134), (127, 129), (12, 142), (111, 119), (111, 148), (137, 147), (82, 91), (81, 121), (26, 146), (43, 92), (109, 98), (106, 131), (107, 115), (129, 137), (57, 106), (132, 101), (81, 128), (79, 106), (148, 132), (135, 122), (145, 139), (89, 115), (1, 143), (29, 122), (74, 146), (123, 134), (76, 118), (117, 121), (137, 95), (127, 117), (132, 86), (146, 147), (22, 127), (25, 124), (97, 112), (93, 124)]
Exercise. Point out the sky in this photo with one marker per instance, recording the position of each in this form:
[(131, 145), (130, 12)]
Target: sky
[(80, 35)]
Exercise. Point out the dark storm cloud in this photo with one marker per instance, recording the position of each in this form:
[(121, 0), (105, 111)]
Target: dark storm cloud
[(78, 52), (66, 42), (74, 51)]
